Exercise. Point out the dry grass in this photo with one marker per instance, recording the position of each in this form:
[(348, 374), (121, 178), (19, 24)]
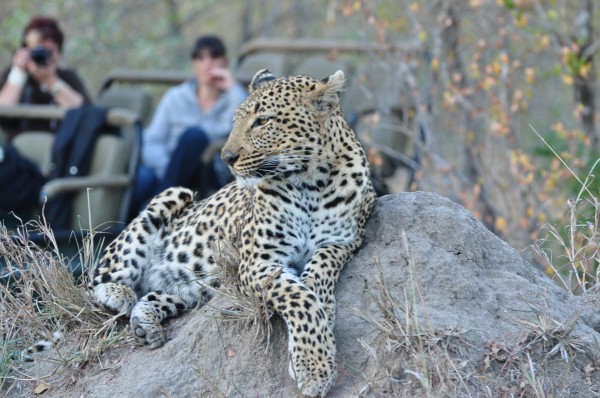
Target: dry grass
[(247, 309), (572, 252), (40, 295), (530, 367)]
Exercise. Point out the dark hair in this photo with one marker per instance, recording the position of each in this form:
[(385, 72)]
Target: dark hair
[(210, 43), (48, 29)]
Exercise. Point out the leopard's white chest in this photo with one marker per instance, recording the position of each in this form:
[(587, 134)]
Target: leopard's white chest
[(313, 227)]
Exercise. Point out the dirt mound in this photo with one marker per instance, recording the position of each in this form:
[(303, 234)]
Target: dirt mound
[(433, 304)]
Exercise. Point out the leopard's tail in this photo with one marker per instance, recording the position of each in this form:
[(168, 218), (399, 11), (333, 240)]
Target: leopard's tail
[(167, 205), (40, 346)]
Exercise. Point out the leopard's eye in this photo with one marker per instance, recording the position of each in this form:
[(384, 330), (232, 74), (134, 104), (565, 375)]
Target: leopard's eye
[(261, 121)]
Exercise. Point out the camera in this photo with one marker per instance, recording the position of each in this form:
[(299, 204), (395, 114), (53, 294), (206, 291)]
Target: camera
[(40, 55)]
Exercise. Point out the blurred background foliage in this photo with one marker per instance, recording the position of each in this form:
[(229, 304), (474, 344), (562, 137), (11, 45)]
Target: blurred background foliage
[(486, 83), (106, 34)]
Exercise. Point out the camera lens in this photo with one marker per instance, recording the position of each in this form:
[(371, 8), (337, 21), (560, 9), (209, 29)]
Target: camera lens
[(40, 55)]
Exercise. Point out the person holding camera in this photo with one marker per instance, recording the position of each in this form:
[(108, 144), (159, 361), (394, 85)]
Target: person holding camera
[(35, 76)]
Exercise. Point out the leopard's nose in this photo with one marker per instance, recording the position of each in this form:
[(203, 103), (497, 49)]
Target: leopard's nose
[(229, 157)]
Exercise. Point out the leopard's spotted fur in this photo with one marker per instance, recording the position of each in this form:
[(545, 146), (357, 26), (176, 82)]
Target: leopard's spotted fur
[(302, 197)]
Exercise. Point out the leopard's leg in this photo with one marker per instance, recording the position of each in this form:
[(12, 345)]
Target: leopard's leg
[(310, 338), (175, 288), (322, 273), (121, 270), (116, 277)]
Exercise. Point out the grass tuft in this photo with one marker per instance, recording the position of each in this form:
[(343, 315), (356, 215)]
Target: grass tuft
[(572, 253), (246, 308), (40, 294)]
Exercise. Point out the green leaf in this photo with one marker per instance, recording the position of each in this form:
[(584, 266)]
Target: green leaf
[(510, 4)]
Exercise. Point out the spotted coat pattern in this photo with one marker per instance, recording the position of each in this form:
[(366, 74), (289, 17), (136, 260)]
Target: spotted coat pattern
[(301, 198)]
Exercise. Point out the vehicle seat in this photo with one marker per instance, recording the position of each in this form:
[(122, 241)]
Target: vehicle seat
[(35, 146), (130, 98), (104, 193), (109, 163)]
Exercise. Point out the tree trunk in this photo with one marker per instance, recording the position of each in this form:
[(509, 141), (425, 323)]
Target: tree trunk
[(585, 83), (173, 18), (450, 38)]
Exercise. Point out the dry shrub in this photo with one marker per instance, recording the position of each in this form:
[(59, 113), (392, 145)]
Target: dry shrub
[(571, 253), (539, 364), (247, 310), (39, 296)]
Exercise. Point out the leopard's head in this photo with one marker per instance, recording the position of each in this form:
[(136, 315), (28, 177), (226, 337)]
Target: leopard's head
[(280, 128)]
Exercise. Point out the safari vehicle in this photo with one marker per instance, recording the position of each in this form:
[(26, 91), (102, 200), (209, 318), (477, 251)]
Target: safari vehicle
[(107, 187), (98, 201), (373, 103)]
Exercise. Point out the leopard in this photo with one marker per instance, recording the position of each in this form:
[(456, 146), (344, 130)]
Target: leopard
[(297, 208)]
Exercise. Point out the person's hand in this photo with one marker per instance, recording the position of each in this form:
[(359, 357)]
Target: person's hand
[(21, 58), (222, 78)]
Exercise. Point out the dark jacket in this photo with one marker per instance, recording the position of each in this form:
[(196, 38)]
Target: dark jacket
[(20, 181), (72, 155)]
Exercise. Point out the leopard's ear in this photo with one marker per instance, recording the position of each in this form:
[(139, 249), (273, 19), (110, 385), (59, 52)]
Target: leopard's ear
[(327, 95), (335, 81), (260, 78)]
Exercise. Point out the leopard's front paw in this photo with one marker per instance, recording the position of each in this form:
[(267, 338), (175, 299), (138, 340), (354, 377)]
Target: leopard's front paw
[(145, 325), (150, 333), (313, 379), (115, 297)]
